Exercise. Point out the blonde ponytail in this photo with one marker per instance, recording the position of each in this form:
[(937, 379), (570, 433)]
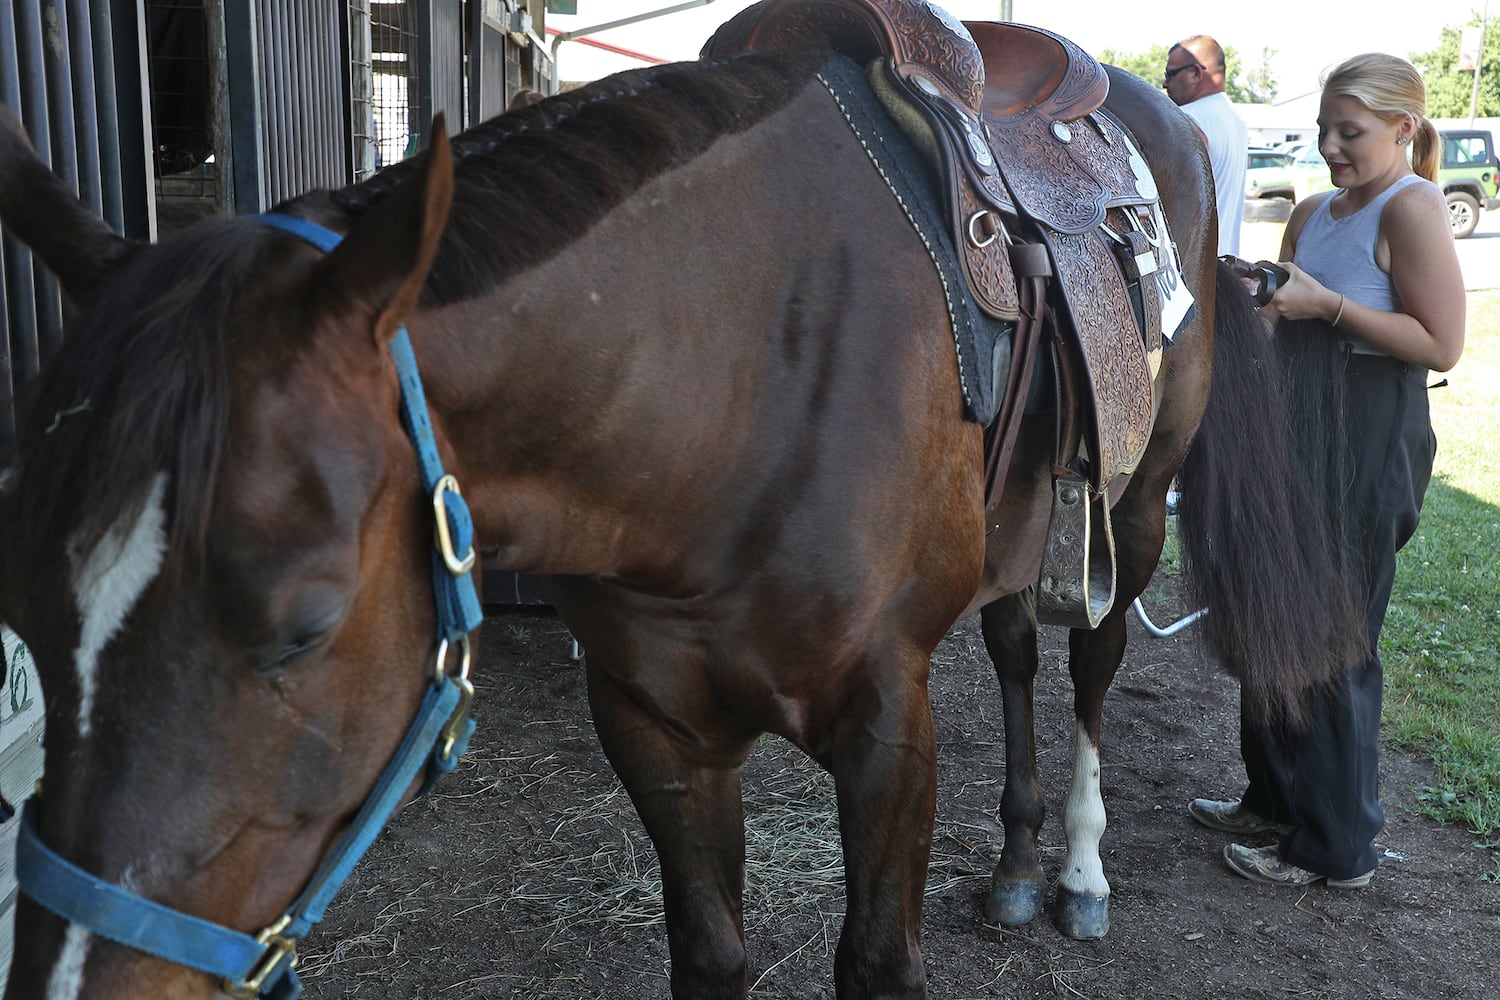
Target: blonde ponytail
[(1426, 149)]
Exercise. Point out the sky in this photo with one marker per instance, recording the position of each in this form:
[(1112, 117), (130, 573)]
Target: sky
[(1324, 34)]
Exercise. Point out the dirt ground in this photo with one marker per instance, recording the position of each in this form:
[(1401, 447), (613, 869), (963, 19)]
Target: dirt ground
[(528, 874)]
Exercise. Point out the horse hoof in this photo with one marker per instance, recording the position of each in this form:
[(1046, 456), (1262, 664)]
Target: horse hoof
[(1011, 904), (1082, 916)]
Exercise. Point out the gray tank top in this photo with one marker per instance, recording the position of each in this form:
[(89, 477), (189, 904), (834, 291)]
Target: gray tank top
[(1340, 253)]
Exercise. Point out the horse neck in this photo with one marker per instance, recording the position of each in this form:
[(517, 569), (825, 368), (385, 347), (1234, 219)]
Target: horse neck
[(591, 399), (646, 401)]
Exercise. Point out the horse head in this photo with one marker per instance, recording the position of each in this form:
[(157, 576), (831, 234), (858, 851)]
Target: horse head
[(216, 518)]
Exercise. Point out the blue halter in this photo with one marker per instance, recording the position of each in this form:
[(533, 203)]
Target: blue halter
[(263, 965)]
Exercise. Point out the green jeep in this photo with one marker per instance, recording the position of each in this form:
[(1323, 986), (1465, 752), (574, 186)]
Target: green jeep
[(1469, 175)]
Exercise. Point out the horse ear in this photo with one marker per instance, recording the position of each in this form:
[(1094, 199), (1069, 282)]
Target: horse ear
[(40, 210), (383, 262)]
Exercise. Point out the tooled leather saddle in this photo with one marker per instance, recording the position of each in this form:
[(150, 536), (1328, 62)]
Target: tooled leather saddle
[(1059, 232)]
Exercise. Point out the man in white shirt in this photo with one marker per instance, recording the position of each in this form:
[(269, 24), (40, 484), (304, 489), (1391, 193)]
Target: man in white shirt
[(1194, 80)]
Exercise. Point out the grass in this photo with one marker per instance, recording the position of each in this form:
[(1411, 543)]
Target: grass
[(1441, 645)]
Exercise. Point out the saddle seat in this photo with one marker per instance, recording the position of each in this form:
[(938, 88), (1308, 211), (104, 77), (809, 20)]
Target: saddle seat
[(1029, 69)]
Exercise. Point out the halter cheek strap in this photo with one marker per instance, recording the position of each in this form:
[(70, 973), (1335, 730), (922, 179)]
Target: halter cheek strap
[(453, 555), (263, 965)]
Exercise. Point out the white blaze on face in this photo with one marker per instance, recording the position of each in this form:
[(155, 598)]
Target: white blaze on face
[(66, 981), (108, 583)]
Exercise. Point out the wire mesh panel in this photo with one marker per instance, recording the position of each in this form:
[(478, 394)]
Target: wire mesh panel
[(182, 123), (393, 62), (182, 111), (417, 66), (362, 138)]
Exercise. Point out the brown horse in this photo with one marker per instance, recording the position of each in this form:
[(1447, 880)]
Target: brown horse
[(688, 358)]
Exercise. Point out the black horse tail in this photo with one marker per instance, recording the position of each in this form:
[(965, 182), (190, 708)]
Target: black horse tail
[(1263, 548)]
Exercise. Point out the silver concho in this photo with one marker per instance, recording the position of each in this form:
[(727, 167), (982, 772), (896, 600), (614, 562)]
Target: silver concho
[(950, 22), (1145, 184), (977, 146)]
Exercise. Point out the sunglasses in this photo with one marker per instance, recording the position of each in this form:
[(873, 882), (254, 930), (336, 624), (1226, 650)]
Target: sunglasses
[(1167, 76)]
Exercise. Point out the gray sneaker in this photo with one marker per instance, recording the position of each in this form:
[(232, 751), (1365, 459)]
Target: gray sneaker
[(1264, 864), (1231, 816)]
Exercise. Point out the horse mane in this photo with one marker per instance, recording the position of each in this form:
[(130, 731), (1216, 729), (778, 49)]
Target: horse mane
[(140, 386), (146, 388), (548, 172)]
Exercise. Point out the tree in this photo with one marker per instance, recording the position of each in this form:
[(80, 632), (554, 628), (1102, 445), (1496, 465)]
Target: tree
[(1257, 86), (1147, 65), (1254, 86), (1450, 89)]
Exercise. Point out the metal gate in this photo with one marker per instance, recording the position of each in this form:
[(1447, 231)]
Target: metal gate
[(80, 95), (287, 78), (157, 111)]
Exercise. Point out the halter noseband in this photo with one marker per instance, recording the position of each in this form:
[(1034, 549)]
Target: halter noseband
[(264, 965)]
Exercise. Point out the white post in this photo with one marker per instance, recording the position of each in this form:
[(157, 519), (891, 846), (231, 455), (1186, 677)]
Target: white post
[(1484, 21)]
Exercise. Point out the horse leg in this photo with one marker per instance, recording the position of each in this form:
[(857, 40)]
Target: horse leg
[(1082, 891), (884, 763), (688, 798), (1082, 910), (1017, 886)]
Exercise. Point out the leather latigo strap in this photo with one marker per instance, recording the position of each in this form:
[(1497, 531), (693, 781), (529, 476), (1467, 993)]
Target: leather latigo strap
[(1033, 267)]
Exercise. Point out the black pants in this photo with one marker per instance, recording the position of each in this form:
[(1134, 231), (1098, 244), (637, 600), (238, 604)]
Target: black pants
[(1324, 781)]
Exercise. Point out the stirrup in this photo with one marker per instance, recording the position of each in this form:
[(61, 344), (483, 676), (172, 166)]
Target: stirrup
[(1077, 583)]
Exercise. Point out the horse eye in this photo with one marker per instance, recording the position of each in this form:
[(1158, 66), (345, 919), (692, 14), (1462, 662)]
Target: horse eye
[(299, 648), (311, 633)]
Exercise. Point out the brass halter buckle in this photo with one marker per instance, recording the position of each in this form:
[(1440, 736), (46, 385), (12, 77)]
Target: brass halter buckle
[(455, 724), (278, 949), (456, 565)]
